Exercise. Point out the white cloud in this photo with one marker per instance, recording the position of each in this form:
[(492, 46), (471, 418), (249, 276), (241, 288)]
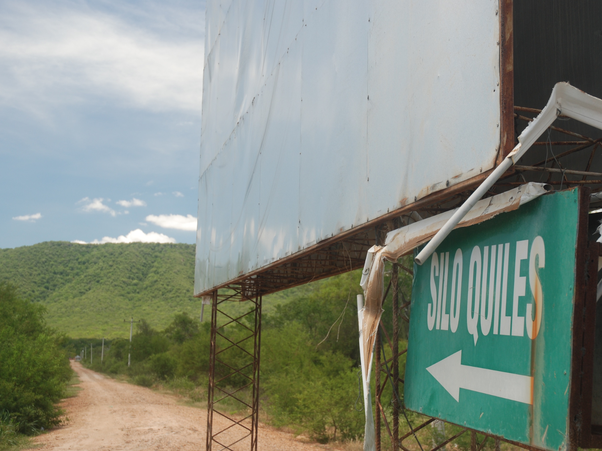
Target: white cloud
[(177, 222), (131, 203), (135, 236), (177, 194), (30, 218), (157, 194), (96, 205), (56, 53)]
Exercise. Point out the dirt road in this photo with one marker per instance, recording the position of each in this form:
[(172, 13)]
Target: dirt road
[(112, 415)]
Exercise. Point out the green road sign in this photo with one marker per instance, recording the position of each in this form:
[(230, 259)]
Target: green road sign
[(491, 325)]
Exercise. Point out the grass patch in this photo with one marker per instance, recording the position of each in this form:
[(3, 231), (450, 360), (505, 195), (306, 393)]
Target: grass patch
[(187, 389), (73, 388), (10, 439)]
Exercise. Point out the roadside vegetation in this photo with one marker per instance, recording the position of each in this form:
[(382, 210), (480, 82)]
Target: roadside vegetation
[(34, 369), (310, 377)]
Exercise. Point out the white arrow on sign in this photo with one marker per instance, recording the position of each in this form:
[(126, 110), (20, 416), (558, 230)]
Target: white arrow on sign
[(453, 376)]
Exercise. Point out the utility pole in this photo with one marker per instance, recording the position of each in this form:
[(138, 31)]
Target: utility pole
[(102, 352), (131, 330)]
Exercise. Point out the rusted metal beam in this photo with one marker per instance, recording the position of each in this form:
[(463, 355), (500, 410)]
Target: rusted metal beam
[(557, 170), (507, 134), (558, 129), (564, 183), (416, 429)]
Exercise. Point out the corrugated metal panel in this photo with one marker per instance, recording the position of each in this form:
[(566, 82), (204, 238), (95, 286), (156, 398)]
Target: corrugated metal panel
[(321, 115)]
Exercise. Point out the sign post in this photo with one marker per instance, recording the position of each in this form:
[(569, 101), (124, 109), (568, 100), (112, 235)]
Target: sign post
[(491, 328)]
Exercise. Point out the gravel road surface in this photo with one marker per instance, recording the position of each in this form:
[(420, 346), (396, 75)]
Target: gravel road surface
[(112, 415)]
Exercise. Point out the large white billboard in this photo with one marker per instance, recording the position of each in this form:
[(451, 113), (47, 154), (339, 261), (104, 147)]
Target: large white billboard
[(322, 115)]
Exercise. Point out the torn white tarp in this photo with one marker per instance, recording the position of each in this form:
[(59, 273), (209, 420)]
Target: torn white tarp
[(369, 435), (402, 241)]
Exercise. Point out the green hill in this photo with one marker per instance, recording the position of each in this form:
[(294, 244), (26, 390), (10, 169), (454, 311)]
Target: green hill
[(89, 289)]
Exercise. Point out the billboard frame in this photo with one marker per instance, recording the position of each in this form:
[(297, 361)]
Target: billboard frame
[(346, 251), (290, 271)]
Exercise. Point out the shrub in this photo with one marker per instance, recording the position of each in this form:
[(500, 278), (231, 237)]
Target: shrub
[(163, 365), (117, 368), (143, 380), (147, 342), (193, 356), (34, 371), (182, 328), (138, 368), (119, 349), (309, 388)]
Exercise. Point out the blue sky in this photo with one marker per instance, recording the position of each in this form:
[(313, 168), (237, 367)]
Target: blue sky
[(100, 108)]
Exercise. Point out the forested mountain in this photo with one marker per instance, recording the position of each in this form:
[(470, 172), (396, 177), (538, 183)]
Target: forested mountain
[(88, 290)]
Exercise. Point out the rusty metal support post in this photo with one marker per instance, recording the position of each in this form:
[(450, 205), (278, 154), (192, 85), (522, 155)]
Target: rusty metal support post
[(210, 389), (234, 369), (473, 441), (377, 370), (395, 362), (256, 362)]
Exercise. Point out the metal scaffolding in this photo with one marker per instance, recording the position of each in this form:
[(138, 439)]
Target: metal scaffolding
[(234, 362), (387, 375), (563, 159)]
